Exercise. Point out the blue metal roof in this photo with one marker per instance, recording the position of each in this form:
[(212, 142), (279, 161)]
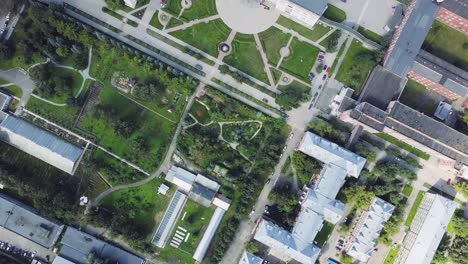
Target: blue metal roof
[(42, 138)]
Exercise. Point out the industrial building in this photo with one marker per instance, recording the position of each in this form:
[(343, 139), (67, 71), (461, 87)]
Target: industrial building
[(369, 225), (318, 202), (426, 231), (304, 11), (25, 221), (36, 141), (76, 247)]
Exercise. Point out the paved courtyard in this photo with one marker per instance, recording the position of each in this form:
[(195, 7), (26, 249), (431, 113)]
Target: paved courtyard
[(374, 15), (246, 16)]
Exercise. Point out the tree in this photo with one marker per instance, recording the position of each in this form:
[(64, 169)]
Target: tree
[(358, 195), (461, 187), (305, 167), (115, 4), (333, 41), (460, 224), (251, 247), (458, 252)]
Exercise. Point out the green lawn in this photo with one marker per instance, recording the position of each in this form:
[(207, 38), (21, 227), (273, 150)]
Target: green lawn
[(300, 60), (314, 33), (276, 74), (324, 233), (14, 90), (205, 36), (112, 13), (416, 96), (246, 57), (199, 9), (115, 171), (448, 44), (195, 222), (333, 67), (356, 66), (403, 145), (128, 130), (414, 208), (407, 190), (173, 7), (62, 115), (143, 203), (155, 21), (334, 13), (273, 40), (174, 22), (392, 255), (200, 112), (370, 35)]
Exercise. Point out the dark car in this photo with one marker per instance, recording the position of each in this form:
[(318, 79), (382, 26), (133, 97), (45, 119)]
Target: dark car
[(311, 76), (324, 77), (325, 67), (316, 93), (320, 87)]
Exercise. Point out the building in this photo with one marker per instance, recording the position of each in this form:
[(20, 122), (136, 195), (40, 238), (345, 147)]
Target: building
[(369, 225), (329, 152), (439, 76), (318, 203), (249, 258), (409, 37), (37, 141), (60, 260), (304, 11), (426, 231), (131, 3), (203, 191), (412, 127), (24, 221), (77, 245)]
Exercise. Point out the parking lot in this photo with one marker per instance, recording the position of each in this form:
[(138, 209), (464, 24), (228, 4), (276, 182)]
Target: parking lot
[(375, 15), (25, 244)]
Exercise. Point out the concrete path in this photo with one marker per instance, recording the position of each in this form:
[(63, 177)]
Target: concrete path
[(48, 101), (21, 78), (165, 165), (192, 23), (299, 36), (266, 67)]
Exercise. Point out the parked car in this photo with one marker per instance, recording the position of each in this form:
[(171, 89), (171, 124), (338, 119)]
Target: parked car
[(265, 100), (311, 76), (328, 69), (320, 87), (316, 93), (324, 77), (325, 67)]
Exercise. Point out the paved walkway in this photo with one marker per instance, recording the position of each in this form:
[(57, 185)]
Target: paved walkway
[(266, 67), (192, 23)]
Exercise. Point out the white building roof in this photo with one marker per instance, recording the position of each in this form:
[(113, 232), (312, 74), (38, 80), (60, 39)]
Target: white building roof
[(370, 225), (5, 101), (330, 181), (208, 235), (60, 260), (221, 202), (181, 177), (40, 143), (249, 258), (131, 3), (330, 153), (282, 241), (427, 229)]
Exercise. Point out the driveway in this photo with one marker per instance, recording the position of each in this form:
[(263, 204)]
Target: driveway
[(21, 78), (374, 15)]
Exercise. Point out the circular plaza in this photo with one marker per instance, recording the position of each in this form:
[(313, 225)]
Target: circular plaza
[(247, 16)]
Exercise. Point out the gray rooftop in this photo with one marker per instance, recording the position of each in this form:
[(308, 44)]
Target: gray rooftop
[(416, 25), (77, 245), (25, 222), (430, 127), (459, 7), (4, 101), (382, 87), (249, 258), (316, 6)]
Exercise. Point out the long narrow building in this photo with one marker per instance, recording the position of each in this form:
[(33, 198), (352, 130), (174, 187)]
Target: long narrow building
[(37, 141), (426, 231)]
